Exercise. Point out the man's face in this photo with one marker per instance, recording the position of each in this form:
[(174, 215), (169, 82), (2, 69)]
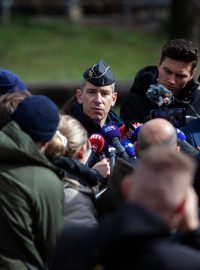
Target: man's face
[(96, 101), (174, 74)]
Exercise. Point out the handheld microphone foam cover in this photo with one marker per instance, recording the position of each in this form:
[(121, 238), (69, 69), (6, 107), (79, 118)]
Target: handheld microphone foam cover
[(97, 142), (129, 147), (180, 134), (109, 132)]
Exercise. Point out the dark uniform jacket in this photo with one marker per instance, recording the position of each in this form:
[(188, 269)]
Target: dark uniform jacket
[(93, 127), (136, 106), (132, 238), (192, 132), (90, 125)]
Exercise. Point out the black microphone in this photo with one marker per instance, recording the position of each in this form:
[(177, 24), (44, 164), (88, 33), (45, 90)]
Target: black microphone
[(111, 134), (112, 153)]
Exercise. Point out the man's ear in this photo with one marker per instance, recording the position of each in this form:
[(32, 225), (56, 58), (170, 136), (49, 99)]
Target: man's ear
[(80, 154), (114, 98), (178, 149), (136, 148), (159, 62), (42, 146), (79, 95), (126, 186), (193, 72), (180, 208)]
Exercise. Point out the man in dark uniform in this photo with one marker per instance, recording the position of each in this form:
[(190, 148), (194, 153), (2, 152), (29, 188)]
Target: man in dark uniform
[(175, 71), (94, 100), (95, 97)]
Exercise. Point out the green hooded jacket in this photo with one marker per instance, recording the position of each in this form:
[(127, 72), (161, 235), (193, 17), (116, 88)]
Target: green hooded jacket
[(31, 203)]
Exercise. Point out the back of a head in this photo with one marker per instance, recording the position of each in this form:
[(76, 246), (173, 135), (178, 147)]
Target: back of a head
[(10, 82), (38, 117), (157, 131), (69, 137), (161, 179), (180, 50), (8, 104)]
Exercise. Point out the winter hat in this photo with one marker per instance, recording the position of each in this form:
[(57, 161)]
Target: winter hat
[(10, 82), (99, 74), (37, 116)]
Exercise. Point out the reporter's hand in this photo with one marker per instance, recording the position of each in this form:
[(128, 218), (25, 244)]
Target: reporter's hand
[(103, 167), (190, 220)]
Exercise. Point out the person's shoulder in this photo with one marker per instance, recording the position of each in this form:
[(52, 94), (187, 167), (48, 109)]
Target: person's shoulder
[(144, 78), (151, 68), (45, 180), (79, 243), (192, 126), (116, 120), (176, 256)]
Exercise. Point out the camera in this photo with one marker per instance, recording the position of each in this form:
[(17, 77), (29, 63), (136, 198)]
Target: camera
[(176, 116), (163, 97)]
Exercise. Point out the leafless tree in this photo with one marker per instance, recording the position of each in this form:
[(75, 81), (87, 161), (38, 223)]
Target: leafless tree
[(6, 6)]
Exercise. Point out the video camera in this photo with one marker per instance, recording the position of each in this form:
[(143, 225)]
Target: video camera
[(163, 97)]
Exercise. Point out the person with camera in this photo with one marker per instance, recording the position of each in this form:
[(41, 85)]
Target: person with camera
[(175, 71)]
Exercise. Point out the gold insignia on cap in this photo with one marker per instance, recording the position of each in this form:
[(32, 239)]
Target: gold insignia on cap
[(90, 74)]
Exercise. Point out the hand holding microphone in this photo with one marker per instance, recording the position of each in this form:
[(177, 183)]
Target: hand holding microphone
[(103, 167), (97, 142)]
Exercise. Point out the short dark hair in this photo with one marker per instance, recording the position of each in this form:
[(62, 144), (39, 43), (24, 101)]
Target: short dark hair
[(180, 50)]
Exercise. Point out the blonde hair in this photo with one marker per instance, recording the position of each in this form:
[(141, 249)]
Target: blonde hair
[(68, 139)]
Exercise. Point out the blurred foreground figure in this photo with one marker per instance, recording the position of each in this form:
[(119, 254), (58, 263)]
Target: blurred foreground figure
[(159, 199), (31, 197)]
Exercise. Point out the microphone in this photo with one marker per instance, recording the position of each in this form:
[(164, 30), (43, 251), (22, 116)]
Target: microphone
[(128, 129), (135, 133), (180, 134), (97, 143), (111, 134), (131, 130), (112, 153), (129, 147), (122, 131)]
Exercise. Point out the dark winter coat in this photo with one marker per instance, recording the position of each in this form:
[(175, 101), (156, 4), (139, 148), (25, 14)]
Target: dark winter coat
[(90, 125), (31, 203), (132, 238), (93, 127)]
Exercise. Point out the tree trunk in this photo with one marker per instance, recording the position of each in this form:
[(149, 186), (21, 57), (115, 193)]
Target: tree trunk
[(182, 19), (6, 6)]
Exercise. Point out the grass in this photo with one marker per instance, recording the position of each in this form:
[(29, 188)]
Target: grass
[(57, 51)]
